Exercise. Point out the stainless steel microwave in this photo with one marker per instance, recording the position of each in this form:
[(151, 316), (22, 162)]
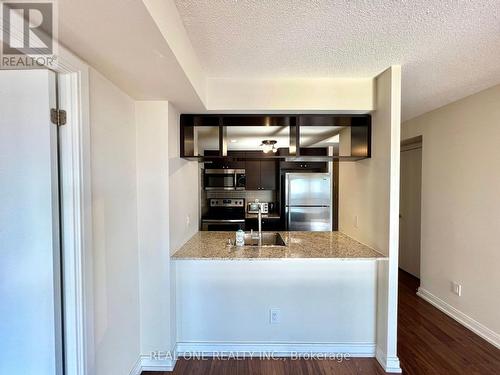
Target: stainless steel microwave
[(224, 179)]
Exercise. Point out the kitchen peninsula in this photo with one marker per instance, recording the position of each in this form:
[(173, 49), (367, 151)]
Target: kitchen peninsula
[(315, 286), (316, 294)]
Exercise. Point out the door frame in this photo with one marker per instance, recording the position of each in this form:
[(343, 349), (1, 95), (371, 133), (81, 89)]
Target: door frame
[(411, 144), (76, 220)]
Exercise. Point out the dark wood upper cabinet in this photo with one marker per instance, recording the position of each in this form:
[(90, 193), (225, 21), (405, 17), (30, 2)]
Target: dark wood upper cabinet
[(268, 174), (301, 134), (327, 120), (234, 160), (252, 172), (238, 159), (261, 174), (313, 166), (257, 120)]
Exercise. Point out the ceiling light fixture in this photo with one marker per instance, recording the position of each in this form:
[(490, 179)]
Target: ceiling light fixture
[(234, 140), (269, 145)]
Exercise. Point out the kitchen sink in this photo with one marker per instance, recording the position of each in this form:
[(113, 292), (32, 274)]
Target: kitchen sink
[(268, 239)]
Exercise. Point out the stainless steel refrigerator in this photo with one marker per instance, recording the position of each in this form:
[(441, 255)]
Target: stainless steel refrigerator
[(308, 200)]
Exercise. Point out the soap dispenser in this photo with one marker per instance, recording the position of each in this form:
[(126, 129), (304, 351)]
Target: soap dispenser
[(240, 237)]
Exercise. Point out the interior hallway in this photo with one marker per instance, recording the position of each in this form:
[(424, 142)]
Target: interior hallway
[(429, 342)]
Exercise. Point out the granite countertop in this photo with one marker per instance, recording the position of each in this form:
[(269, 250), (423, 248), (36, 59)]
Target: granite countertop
[(306, 245)]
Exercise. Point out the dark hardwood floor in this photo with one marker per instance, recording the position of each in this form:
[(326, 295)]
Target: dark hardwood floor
[(274, 367), (429, 342)]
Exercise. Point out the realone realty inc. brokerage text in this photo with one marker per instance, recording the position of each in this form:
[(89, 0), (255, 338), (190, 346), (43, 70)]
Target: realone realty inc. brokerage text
[(242, 355)]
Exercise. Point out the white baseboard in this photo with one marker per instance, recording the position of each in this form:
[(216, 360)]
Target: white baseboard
[(136, 370), (276, 349), (476, 327), (389, 364), (146, 363), (247, 349)]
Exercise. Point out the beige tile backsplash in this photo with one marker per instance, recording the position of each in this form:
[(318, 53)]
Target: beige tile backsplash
[(248, 195)]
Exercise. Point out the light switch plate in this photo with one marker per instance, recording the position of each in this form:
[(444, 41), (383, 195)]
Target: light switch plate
[(456, 288)]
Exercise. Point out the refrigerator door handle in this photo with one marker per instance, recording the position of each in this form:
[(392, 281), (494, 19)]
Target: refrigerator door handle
[(310, 205), (287, 213), (287, 187), (287, 198)]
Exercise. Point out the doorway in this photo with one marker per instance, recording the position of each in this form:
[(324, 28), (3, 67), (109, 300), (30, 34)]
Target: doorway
[(31, 268), (45, 217), (410, 206)]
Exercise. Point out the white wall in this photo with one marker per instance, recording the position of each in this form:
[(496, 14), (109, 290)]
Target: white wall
[(184, 187), (326, 305), (167, 195), (114, 209), (183, 204), (138, 183), (322, 94), (461, 204), (369, 204), (153, 224), (364, 186)]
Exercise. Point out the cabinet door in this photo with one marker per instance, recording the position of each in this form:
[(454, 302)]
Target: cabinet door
[(315, 165), (216, 162), (252, 171), (236, 164), (271, 224), (267, 224), (268, 174), (312, 166), (251, 224)]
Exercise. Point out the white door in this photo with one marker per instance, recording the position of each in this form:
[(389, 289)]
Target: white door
[(30, 297), (409, 209)]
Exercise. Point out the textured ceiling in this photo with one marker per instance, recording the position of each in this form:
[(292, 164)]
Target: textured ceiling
[(448, 48)]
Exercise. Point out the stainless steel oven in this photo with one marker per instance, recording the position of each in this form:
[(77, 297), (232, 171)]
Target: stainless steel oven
[(224, 214), (224, 179)]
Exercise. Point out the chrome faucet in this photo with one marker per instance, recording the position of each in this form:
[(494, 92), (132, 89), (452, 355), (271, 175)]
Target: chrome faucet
[(259, 218)]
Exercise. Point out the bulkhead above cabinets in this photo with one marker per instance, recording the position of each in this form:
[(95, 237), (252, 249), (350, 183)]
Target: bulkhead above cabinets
[(229, 139)]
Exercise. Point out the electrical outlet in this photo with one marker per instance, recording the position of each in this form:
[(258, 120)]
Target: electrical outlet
[(274, 316), (188, 220), (356, 221), (456, 288)]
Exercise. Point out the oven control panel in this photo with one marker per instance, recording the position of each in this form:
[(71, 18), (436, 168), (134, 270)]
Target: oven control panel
[(223, 202)]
